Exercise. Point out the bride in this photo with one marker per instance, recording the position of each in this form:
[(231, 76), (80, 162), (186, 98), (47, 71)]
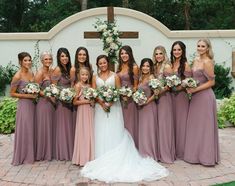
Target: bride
[(117, 159)]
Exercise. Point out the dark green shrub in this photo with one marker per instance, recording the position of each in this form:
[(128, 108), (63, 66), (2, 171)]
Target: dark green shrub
[(6, 74), (223, 82), (7, 115)]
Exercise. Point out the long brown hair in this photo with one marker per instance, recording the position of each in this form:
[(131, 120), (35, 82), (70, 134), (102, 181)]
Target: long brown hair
[(183, 58), (131, 62)]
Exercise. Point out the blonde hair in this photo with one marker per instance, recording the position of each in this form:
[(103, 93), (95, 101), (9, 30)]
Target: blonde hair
[(43, 54), (210, 53), (88, 71), (161, 48)]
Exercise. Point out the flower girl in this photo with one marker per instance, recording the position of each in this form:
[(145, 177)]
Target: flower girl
[(84, 132)]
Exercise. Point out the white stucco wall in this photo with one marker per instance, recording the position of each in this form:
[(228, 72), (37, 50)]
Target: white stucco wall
[(69, 34)]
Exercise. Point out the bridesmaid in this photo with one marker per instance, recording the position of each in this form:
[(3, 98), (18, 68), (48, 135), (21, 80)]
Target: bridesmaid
[(64, 129), (81, 60), (84, 133), (202, 144), (180, 101), (24, 132), (166, 137), (44, 112), (147, 113), (128, 74)]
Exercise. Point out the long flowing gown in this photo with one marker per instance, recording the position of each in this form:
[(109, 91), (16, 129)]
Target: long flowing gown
[(148, 126), (84, 134), (180, 110), (130, 112), (166, 135), (117, 159), (44, 117), (202, 141), (64, 128), (24, 132)]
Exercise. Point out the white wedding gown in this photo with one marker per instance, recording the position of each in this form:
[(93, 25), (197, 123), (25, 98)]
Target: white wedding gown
[(117, 159)]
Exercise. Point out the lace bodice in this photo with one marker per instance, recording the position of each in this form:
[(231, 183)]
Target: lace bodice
[(110, 81)]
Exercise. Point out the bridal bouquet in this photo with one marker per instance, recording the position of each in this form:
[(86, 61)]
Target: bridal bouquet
[(173, 81), (67, 95), (139, 97), (51, 91), (90, 93), (31, 88), (126, 92), (108, 94), (189, 83)]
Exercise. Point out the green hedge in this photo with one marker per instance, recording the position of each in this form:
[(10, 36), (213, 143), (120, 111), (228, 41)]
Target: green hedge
[(6, 74), (226, 112), (7, 115), (223, 82)]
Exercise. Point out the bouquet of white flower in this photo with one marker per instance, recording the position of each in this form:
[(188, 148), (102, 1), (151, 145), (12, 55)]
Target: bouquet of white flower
[(126, 93), (90, 93), (139, 97), (108, 93), (173, 81), (51, 91), (189, 83), (156, 85), (31, 88), (67, 95)]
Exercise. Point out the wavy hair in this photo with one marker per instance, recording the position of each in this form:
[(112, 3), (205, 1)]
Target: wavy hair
[(77, 63), (131, 62), (183, 58), (65, 72)]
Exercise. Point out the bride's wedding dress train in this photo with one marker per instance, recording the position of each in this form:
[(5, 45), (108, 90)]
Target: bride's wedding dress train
[(117, 159)]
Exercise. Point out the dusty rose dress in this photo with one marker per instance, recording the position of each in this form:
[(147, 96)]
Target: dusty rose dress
[(130, 113), (84, 134), (180, 110), (148, 126), (24, 131), (64, 128), (44, 126), (202, 144), (165, 124)]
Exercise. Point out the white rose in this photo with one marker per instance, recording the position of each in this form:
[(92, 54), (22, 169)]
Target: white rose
[(109, 39)]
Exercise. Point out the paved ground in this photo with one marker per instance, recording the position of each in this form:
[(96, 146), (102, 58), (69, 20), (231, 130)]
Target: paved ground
[(56, 173)]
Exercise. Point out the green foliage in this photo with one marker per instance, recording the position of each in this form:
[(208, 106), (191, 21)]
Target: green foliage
[(227, 111), (232, 183), (42, 15), (222, 82), (6, 74), (7, 115)]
